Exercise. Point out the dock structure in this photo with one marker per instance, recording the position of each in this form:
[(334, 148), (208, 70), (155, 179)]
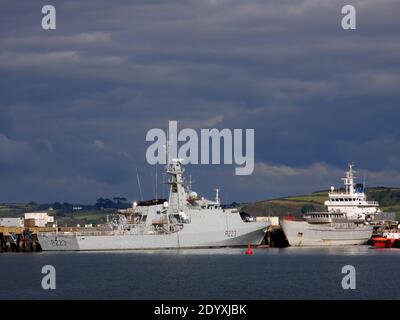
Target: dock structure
[(19, 239), (25, 239), (274, 238)]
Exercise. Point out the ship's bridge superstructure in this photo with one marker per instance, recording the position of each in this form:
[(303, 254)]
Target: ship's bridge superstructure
[(183, 208), (181, 196), (352, 200)]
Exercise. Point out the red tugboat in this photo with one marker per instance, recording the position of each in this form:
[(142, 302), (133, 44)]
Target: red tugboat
[(389, 239)]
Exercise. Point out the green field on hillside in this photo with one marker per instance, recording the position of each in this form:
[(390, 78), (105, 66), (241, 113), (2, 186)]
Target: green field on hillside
[(318, 199)]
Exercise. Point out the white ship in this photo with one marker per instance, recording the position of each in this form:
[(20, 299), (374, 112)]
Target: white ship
[(345, 222), (185, 221)]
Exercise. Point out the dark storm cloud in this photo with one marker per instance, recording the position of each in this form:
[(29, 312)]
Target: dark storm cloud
[(76, 103)]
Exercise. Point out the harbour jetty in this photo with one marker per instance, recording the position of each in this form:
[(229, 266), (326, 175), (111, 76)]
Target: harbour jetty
[(14, 239), (20, 234)]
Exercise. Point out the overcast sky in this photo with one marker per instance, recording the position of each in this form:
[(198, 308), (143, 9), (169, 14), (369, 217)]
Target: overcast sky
[(76, 102)]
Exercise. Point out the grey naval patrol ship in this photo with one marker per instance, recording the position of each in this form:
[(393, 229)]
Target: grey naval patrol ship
[(345, 222), (185, 221)]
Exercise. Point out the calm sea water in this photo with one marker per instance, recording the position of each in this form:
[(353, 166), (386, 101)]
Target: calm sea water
[(289, 273)]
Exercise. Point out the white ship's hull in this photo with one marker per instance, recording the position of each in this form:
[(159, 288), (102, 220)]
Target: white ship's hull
[(301, 233), (194, 235)]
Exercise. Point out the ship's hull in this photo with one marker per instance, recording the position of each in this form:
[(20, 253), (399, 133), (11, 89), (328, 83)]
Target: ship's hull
[(252, 233), (301, 233)]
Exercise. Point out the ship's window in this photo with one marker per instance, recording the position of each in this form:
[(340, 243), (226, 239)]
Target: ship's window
[(158, 211)]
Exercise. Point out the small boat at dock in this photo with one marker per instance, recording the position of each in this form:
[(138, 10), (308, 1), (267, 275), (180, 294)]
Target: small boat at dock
[(388, 239)]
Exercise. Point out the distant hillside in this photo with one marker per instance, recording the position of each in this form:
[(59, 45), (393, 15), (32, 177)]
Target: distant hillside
[(389, 199), (65, 213), (15, 209)]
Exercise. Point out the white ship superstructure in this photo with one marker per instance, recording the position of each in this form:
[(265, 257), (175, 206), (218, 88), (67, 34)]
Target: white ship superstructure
[(345, 222), (352, 200), (185, 221)]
